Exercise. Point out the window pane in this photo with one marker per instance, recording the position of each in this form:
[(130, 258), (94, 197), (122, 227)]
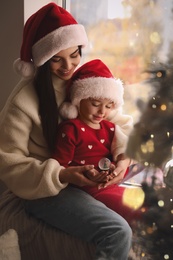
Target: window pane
[(128, 36)]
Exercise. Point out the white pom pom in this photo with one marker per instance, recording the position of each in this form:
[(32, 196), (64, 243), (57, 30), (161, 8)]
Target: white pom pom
[(68, 111), (23, 68)]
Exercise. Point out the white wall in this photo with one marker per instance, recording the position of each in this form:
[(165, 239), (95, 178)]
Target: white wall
[(13, 14), (11, 24), (31, 6)]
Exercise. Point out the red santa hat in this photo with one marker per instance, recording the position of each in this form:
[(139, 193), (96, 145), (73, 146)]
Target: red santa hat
[(91, 80), (47, 32)]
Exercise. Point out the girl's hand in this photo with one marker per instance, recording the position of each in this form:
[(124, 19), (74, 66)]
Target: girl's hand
[(117, 173)]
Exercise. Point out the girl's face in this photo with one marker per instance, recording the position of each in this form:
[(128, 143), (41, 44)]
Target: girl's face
[(92, 111), (65, 62)]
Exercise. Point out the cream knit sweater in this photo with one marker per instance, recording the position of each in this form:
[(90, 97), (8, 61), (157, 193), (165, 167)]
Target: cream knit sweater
[(25, 166)]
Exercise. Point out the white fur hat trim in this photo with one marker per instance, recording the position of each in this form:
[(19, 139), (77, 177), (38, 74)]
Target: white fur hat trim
[(94, 87), (57, 40), (97, 87)]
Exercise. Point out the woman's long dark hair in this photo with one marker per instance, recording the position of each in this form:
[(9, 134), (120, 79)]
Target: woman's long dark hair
[(48, 108)]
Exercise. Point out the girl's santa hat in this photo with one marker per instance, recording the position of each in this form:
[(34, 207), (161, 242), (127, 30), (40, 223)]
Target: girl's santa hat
[(47, 32), (91, 80)]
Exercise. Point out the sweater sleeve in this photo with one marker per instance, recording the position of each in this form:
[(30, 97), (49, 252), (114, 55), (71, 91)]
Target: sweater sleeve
[(124, 125), (24, 168)]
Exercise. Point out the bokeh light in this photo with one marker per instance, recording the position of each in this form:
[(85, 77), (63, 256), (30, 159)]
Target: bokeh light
[(133, 197)]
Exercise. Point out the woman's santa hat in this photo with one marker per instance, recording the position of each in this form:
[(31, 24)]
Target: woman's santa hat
[(91, 80), (47, 32)]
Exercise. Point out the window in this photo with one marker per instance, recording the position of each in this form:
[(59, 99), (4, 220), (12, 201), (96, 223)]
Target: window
[(128, 36)]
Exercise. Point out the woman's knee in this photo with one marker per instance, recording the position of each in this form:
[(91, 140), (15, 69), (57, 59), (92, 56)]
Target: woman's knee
[(126, 231)]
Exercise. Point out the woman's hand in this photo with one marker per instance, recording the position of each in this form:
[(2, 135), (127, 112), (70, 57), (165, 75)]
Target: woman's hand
[(76, 175), (97, 176)]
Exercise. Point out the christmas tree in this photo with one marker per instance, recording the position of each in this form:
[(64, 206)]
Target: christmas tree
[(151, 143)]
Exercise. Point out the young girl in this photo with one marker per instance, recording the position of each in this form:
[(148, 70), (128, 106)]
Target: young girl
[(38, 184), (88, 137)]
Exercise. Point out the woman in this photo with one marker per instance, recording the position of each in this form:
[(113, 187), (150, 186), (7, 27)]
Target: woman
[(50, 52)]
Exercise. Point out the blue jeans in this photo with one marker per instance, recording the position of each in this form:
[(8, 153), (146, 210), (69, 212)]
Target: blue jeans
[(79, 214)]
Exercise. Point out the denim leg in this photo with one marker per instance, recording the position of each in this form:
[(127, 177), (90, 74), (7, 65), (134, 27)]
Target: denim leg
[(79, 214)]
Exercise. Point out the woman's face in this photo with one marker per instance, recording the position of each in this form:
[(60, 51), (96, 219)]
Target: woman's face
[(65, 62)]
